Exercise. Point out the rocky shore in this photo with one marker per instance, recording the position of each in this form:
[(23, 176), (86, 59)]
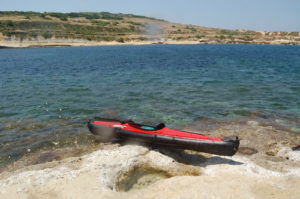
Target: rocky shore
[(15, 43), (266, 166)]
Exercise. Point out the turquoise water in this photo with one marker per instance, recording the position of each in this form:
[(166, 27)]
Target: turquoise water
[(48, 94)]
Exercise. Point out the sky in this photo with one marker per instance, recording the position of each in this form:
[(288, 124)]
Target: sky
[(268, 15)]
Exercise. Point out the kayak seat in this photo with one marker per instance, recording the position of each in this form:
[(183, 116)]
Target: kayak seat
[(160, 126), (144, 127), (150, 128)]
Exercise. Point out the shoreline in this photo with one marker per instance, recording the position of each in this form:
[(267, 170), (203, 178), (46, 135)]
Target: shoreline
[(45, 44), (136, 172), (286, 129), (266, 166)]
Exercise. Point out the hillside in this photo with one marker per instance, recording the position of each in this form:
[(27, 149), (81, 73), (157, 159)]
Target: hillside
[(27, 29)]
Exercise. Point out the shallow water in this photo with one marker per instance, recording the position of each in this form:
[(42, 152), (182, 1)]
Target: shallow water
[(48, 94)]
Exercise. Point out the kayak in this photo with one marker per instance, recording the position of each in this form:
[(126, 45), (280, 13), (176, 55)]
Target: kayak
[(160, 135)]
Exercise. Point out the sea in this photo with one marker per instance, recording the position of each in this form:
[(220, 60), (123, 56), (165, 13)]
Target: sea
[(47, 95)]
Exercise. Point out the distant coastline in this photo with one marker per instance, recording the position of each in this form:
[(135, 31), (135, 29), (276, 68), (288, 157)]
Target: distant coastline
[(24, 44), (33, 29)]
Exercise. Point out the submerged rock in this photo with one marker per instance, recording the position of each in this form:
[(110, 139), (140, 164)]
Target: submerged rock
[(46, 157)]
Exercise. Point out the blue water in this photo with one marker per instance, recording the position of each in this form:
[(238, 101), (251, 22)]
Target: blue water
[(47, 94)]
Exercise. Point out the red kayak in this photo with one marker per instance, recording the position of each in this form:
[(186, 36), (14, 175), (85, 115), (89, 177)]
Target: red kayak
[(160, 135)]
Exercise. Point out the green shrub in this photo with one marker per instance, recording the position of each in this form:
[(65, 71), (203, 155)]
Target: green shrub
[(121, 40), (131, 28), (134, 23), (100, 23), (246, 38), (87, 15), (220, 37), (61, 16), (44, 16), (33, 34), (64, 18), (8, 23), (47, 35), (228, 32), (199, 36), (107, 15), (142, 38), (193, 29)]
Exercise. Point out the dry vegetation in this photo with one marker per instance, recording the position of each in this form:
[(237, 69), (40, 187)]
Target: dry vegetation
[(124, 28)]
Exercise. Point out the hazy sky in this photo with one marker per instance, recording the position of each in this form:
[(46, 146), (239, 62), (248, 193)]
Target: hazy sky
[(269, 15)]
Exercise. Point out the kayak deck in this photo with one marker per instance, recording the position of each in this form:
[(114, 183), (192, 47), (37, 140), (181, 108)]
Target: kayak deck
[(163, 136), (164, 131)]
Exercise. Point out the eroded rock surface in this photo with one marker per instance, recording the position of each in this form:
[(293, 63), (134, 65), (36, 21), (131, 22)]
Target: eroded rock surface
[(266, 167)]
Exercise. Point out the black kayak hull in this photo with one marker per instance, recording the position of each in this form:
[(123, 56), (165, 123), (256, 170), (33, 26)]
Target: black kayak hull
[(226, 147)]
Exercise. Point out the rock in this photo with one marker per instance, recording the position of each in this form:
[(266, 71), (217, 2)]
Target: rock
[(247, 151), (271, 153), (136, 172), (253, 123), (46, 157)]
